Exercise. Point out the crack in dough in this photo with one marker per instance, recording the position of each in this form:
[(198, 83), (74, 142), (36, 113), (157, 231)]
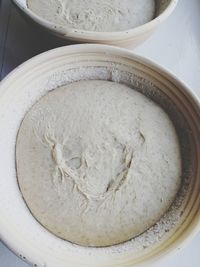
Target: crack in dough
[(66, 172)]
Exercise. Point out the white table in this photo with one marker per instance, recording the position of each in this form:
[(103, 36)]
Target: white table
[(176, 46)]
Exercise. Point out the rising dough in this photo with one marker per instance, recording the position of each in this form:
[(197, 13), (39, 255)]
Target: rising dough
[(95, 15), (97, 162)]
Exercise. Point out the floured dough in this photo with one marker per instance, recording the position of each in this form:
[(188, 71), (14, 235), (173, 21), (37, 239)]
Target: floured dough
[(95, 15), (98, 163)]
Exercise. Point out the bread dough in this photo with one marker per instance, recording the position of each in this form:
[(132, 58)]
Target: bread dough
[(95, 15), (98, 163)]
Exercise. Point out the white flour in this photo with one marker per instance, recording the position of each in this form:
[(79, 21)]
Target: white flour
[(98, 163), (95, 15)]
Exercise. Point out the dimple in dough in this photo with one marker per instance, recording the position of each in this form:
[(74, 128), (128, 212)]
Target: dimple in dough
[(95, 15), (98, 163)]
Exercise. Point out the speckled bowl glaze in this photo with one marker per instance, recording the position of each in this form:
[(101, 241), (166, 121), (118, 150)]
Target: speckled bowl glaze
[(25, 85), (128, 38)]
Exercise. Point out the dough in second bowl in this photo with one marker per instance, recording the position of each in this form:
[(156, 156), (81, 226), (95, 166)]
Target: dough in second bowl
[(98, 163), (95, 15)]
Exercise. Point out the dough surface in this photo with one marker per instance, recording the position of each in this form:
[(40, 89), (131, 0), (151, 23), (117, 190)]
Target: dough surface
[(95, 15), (98, 163)]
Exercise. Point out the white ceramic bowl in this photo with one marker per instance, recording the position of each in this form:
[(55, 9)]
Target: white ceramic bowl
[(25, 85), (127, 38)]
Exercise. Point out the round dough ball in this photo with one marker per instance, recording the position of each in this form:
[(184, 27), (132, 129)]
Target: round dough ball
[(95, 15), (98, 163)]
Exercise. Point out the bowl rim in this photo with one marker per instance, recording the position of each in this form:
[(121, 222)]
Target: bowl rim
[(98, 36), (187, 236)]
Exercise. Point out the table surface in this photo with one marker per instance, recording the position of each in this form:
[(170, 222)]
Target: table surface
[(175, 45)]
